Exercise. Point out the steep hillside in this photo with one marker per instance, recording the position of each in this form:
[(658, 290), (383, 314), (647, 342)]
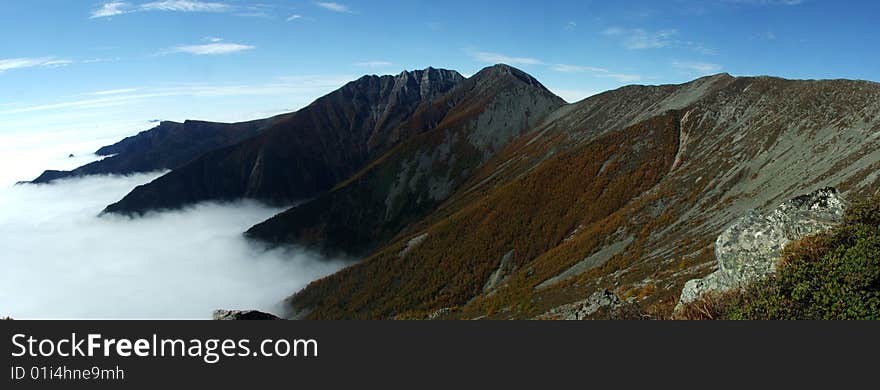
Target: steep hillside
[(306, 153), (167, 146), (575, 124), (485, 243), (475, 120), (624, 191)]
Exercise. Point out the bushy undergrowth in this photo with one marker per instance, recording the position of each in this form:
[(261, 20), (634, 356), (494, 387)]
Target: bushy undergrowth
[(830, 276)]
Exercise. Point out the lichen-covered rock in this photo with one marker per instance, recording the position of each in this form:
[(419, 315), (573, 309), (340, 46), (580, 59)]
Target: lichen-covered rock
[(242, 315), (583, 309), (439, 313), (750, 249)]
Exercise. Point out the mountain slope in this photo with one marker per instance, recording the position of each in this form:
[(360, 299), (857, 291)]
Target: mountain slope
[(455, 259), (475, 120), (166, 146), (624, 191), (306, 153)]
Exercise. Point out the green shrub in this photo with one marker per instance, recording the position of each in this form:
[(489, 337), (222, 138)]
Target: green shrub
[(865, 211)]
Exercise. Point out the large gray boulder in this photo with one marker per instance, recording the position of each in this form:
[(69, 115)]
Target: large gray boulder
[(750, 249)]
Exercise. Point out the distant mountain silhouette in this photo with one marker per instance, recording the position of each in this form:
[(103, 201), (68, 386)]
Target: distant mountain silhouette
[(305, 153), (166, 146)]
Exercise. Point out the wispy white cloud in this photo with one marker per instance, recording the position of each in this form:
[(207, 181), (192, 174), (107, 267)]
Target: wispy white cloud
[(82, 103), (597, 72), (294, 17), (185, 6), (702, 68), (20, 63), (53, 63), (295, 85), (112, 92), (642, 39), (100, 59), (639, 39), (213, 48), (255, 14), (374, 64), (110, 9), (497, 58), (118, 8), (335, 7)]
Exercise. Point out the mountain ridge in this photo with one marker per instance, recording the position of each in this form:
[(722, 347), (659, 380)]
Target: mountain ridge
[(414, 178), (168, 145), (743, 143), (493, 198), (323, 142)]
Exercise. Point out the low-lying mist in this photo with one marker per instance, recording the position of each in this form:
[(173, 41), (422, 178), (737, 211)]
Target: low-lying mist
[(58, 259)]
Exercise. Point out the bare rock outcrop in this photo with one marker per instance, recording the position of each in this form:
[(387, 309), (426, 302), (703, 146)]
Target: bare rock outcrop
[(242, 315), (602, 299), (750, 249)]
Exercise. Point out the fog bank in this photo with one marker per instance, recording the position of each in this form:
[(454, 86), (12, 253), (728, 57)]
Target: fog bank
[(59, 260)]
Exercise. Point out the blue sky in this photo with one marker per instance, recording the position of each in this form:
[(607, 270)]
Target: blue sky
[(96, 68)]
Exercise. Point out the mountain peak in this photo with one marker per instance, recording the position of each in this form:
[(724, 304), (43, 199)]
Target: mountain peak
[(429, 71), (723, 75), (499, 71), (430, 82), (504, 69)]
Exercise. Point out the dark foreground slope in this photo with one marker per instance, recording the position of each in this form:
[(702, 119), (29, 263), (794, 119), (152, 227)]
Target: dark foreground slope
[(624, 192), (167, 146), (475, 120), (306, 153)]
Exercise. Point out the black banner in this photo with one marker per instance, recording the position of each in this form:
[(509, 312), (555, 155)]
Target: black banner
[(411, 354)]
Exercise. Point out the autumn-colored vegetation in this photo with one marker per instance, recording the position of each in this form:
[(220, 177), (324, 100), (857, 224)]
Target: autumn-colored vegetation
[(530, 216)]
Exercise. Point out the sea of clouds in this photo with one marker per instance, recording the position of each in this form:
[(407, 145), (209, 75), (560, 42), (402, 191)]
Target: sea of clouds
[(60, 259)]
